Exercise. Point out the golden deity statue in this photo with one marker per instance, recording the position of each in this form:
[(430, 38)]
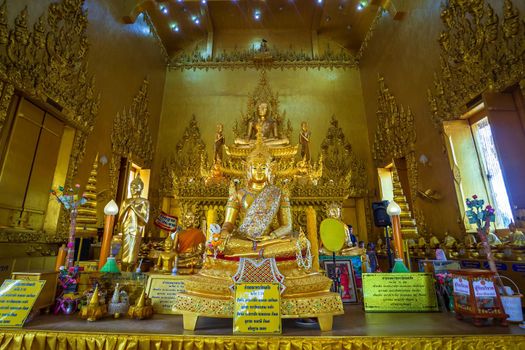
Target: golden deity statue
[(267, 126), (333, 211), (132, 221), (258, 224), (449, 241), (266, 230), (189, 245), (517, 238), (470, 240), (304, 141), (166, 259)]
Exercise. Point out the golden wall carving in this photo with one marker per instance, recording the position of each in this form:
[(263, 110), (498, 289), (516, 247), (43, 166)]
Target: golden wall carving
[(479, 52), (395, 138), (263, 58), (48, 63), (131, 135)]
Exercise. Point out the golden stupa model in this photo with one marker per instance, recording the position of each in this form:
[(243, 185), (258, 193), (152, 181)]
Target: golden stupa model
[(264, 231)]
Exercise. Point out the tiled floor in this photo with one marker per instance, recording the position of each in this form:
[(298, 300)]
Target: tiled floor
[(355, 322)]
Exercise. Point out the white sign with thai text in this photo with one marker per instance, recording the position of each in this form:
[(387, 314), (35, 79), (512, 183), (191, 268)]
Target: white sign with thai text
[(483, 288), (461, 286)]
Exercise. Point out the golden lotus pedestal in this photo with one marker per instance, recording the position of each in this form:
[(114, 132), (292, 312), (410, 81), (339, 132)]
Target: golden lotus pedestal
[(208, 294)]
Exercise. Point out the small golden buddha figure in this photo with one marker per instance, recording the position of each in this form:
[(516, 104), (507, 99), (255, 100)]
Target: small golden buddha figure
[(190, 244), (422, 242), (517, 238), (493, 239), (470, 241), (166, 259), (267, 126), (266, 227), (434, 242), (133, 218), (334, 212), (449, 242)]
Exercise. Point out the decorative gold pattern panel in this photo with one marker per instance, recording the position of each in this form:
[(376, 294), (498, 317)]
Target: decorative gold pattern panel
[(479, 52), (48, 63), (131, 135), (263, 58)]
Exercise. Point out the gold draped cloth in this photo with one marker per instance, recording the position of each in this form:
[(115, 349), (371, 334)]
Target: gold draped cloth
[(261, 213), (36, 340)]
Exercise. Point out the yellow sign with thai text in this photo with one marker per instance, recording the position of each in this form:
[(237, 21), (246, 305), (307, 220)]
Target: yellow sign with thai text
[(257, 308), (17, 297), (399, 292), (162, 289)]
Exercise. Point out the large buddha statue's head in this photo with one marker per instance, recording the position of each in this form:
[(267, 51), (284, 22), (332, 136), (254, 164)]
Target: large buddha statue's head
[(258, 164)]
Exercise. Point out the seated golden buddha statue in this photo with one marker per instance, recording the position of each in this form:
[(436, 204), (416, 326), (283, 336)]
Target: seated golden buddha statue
[(493, 239), (517, 238), (189, 245), (470, 241), (449, 242), (333, 211), (267, 126), (167, 258), (264, 230)]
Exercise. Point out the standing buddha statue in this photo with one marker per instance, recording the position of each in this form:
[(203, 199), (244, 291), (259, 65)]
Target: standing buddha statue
[(133, 218)]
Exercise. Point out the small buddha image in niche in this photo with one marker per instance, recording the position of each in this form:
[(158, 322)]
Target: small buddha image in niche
[(269, 129)]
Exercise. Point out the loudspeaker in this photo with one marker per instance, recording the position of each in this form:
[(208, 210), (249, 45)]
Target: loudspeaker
[(381, 218)]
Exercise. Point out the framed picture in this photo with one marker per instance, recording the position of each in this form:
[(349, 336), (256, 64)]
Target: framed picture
[(343, 273)]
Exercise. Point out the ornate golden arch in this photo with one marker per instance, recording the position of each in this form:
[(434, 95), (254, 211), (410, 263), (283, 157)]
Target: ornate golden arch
[(479, 52), (48, 64)]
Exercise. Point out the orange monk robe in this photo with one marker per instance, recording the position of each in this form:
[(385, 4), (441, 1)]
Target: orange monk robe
[(189, 239)]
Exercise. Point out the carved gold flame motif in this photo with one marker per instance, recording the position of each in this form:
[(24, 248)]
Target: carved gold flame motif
[(479, 52)]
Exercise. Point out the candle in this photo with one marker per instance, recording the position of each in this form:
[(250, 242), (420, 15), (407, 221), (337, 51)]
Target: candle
[(110, 210), (311, 231), (61, 257)]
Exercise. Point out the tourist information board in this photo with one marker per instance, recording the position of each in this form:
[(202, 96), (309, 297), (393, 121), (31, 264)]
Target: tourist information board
[(17, 298), (399, 292), (257, 308)]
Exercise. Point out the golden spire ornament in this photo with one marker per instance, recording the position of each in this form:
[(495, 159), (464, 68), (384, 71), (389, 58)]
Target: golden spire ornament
[(87, 214), (142, 308), (94, 309)]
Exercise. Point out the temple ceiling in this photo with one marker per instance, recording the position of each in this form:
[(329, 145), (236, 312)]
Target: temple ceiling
[(180, 24)]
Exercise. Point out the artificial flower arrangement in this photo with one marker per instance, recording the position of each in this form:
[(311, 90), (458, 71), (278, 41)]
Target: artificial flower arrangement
[(71, 201), (444, 288)]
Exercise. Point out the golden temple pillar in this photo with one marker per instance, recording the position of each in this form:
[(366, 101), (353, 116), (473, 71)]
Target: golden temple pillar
[(311, 231)]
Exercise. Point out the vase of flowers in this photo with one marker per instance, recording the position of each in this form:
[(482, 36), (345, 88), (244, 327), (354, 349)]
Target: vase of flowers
[(482, 216), (71, 201)]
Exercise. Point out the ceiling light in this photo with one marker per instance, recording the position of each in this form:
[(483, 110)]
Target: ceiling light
[(195, 19), (164, 9), (175, 27), (257, 15), (203, 2), (361, 5), (319, 1)]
